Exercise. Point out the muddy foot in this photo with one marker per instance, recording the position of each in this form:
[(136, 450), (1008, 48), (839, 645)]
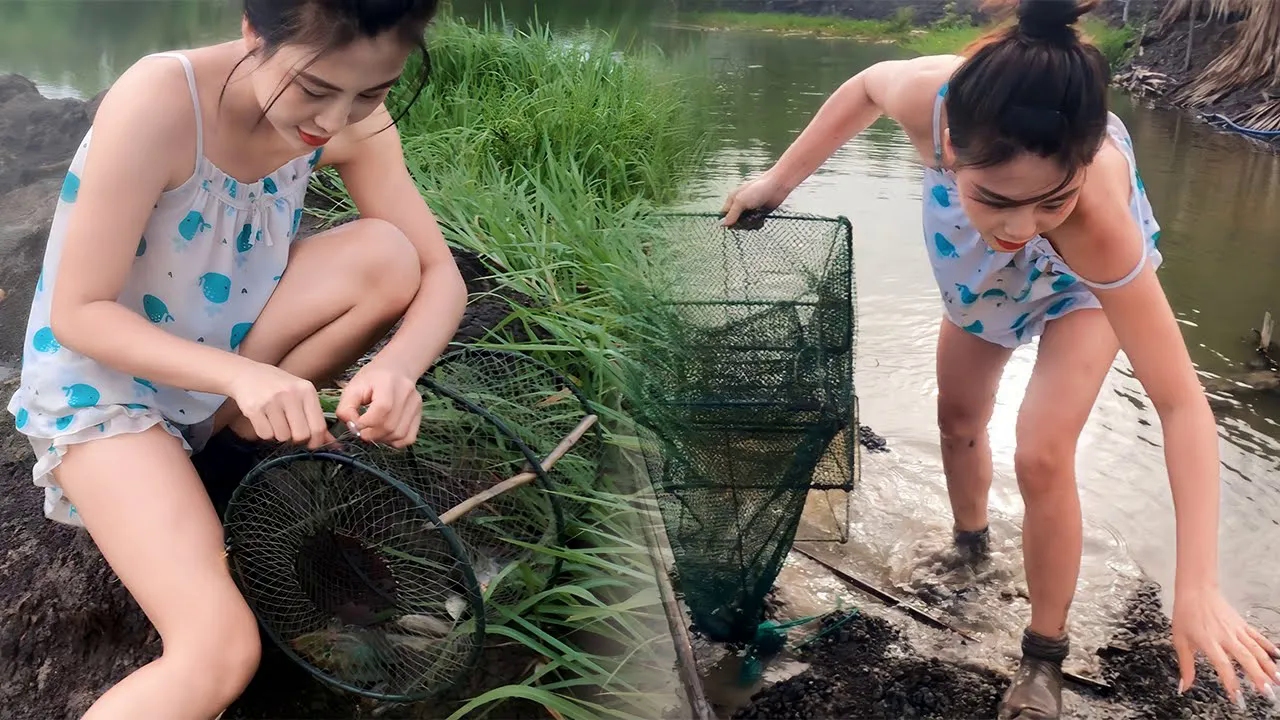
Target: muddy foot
[(973, 547), (1036, 690)]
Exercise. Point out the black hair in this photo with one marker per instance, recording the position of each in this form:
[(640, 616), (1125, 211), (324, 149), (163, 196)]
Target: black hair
[(328, 25), (1032, 86)]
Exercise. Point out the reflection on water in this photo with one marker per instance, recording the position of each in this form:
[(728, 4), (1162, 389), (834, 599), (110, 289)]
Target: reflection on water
[(1217, 198)]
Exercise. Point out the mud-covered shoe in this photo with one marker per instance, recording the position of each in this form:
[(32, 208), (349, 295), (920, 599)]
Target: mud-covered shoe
[(973, 547), (1036, 690)]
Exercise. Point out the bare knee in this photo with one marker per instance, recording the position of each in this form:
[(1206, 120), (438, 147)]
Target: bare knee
[(390, 267), (1045, 466), (961, 424), (219, 653)]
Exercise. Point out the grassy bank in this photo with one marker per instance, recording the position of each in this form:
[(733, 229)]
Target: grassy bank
[(545, 156), (946, 36)]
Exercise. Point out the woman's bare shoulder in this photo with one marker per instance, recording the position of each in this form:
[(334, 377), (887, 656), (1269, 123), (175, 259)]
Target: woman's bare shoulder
[(905, 90)]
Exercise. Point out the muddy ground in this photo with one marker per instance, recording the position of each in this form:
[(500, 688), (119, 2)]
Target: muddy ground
[(864, 668)]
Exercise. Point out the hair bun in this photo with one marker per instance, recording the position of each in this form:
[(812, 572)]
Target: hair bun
[(1050, 20)]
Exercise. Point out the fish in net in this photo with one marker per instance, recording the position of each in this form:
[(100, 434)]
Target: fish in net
[(385, 606)]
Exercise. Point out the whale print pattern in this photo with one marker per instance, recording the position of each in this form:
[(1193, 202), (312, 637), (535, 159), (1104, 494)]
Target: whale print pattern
[(1007, 298), (205, 265)]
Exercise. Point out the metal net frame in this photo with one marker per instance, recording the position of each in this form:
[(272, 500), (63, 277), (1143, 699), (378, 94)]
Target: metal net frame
[(353, 576), (330, 548), (747, 402)]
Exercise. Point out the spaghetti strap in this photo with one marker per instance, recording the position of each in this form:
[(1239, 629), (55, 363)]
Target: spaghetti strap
[(1142, 262), (195, 99), (937, 128)]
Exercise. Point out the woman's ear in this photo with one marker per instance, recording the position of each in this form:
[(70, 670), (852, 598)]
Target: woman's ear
[(251, 38)]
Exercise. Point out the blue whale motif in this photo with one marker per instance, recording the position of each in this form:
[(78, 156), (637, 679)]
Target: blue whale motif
[(244, 240), (238, 331), (156, 310), (193, 223), (1063, 282), (1060, 306), (945, 248), (80, 395), (43, 341), (940, 196), (70, 188), (967, 296), (216, 286)]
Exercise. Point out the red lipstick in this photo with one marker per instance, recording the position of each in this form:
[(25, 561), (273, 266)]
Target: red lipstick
[(312, 140)]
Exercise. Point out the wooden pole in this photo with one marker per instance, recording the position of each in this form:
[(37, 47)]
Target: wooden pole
[(523, 478)]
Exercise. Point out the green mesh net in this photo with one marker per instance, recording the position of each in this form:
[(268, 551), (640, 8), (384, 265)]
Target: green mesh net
[(746, 401)]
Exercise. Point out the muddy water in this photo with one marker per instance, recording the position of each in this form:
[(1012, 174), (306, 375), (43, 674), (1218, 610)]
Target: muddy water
[(1216, 196)]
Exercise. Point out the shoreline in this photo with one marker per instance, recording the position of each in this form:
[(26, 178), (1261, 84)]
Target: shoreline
[(1147, 61), (947, 35)]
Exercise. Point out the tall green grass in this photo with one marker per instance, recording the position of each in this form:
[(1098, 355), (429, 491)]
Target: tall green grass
[(546, 155)]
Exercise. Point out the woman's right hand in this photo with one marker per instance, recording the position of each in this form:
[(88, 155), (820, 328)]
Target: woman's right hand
[(763, 194), (281, 406)]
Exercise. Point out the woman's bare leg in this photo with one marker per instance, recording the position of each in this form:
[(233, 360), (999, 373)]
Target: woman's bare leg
[(1075, 353), (146, 509), (969, 371)]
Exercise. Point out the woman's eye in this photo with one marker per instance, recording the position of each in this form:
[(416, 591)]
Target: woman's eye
[(310, 93)]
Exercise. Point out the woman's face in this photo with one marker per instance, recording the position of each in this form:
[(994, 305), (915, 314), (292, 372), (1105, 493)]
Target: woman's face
[(317, 100), (1011, 203)]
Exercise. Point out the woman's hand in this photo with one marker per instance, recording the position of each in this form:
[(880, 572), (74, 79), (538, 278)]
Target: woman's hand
[(393, 413), (1204, 622), (763, 194), (280, 406)]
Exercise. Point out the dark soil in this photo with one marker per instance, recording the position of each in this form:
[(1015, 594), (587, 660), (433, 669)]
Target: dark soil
[(863, 669)]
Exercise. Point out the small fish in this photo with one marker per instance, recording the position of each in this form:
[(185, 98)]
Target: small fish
[(455, 605), (424, 625)]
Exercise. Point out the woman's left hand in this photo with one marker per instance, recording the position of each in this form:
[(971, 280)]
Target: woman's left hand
[(393, 413), (1203, 621)]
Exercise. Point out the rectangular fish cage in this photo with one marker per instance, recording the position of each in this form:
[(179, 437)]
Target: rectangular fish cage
[(748, 402)]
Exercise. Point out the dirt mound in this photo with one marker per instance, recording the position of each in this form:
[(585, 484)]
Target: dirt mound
[(864, 669), (1141, 666)]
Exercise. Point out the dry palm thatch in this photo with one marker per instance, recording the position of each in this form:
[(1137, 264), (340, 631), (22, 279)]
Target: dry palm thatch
[(1178, 10), (1253, 59), (1265, 116)]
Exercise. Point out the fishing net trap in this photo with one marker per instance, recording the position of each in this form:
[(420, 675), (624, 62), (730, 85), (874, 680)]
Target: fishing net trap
[(376, 569), (747, 403)]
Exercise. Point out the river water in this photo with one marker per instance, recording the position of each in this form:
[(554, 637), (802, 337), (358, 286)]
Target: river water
[(1216, 196)]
